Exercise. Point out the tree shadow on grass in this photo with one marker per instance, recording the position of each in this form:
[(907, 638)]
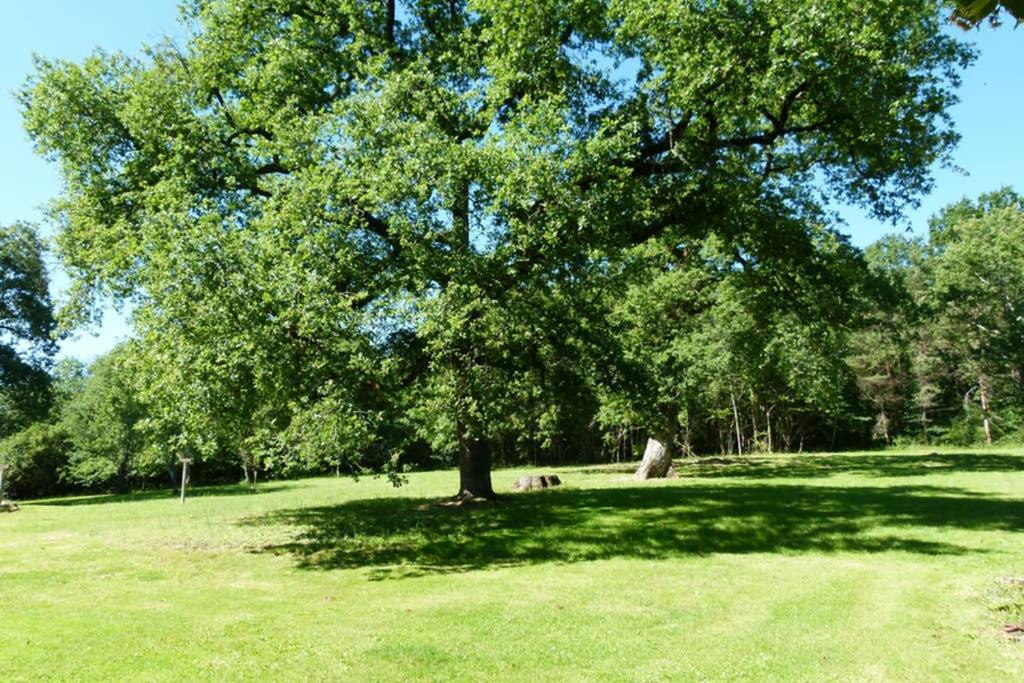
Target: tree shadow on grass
[(166, 493), (401, 537), (815, 466)]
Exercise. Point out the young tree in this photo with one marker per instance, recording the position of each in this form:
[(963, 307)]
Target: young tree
[(103, 424), (881, 349), (456, 171)]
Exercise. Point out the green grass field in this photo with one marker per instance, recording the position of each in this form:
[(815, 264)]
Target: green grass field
[(845, 567)]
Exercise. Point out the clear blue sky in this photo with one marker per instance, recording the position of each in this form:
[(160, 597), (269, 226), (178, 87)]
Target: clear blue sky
[(990, 115)]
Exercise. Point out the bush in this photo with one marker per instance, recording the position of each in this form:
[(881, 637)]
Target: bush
[(91, 472), (38, 455), (965, 430)]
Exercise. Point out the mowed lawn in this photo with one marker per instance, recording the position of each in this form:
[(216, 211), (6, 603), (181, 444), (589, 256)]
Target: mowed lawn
[(816, 567)]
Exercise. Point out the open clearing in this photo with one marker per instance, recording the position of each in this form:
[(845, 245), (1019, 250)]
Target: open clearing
[(849, 567)]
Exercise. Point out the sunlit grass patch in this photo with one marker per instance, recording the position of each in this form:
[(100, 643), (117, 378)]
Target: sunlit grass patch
[(846, 567)]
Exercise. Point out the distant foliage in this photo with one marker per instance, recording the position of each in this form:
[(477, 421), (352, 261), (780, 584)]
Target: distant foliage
[(103, 421), (959, 330), (27, 327), (38, 459)]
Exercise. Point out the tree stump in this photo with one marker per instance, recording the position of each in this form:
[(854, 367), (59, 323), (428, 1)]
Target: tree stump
[(657, 462), (535, 482)]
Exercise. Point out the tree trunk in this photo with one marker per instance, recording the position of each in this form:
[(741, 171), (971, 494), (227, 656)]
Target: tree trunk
[(755, 441), (474, 468), (985, 416), (122, 475), (389, 21), (657, 462), (736, 418)]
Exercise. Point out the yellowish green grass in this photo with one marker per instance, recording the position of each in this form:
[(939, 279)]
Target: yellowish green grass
[(839, 567)]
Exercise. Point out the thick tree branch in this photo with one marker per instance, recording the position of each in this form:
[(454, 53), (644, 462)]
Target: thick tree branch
[(389, 21)]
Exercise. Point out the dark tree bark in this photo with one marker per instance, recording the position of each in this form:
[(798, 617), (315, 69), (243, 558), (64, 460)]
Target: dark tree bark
[(474, 468), (122, 475), (389, 21)]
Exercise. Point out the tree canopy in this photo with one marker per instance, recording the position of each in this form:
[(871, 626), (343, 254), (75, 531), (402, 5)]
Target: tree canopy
[(27, 328), (971, 13), (412, 220)]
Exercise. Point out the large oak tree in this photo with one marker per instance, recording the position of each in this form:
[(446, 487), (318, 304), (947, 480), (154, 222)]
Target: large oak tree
[(416, 199)]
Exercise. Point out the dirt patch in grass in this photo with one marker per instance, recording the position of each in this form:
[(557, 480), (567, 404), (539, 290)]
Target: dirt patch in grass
[(1009, 606)]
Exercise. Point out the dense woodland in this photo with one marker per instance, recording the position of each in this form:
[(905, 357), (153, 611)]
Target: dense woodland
[(369, 237)]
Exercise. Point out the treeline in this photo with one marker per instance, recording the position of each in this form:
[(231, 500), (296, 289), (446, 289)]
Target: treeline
[(822, 346), (944, 360)]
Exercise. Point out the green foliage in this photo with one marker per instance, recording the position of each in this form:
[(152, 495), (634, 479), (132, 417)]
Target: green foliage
[(26, 328), (414, 226), (331, 434), (103, 423), (979, 282), (964, 430), (971, 13), (68, 380), (955, 333), (712, 329), (37, 456)]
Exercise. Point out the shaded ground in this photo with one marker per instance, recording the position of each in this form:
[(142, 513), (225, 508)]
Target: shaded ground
[(167, 493), (813, 466), (816, 466), (403, 536)]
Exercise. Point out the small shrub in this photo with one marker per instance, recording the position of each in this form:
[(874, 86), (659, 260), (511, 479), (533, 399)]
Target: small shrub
[(964, 430)]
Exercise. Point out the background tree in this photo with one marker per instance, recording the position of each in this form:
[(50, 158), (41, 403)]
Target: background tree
[(27, 327), (979, 285), (102, 423), (38, 456), (67, 381), (881, 354), (955, 312)]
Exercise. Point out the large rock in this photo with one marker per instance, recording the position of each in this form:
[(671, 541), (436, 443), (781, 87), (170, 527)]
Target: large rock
[(536, 482), (8, 506), (657, 462)]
